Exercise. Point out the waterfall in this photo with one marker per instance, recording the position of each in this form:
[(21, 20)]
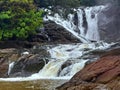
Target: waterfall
[(92, 22), (73, 53), (10, 67), (60, 55), (87, 27), (51, 69)]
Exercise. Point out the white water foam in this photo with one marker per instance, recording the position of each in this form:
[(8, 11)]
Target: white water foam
[(62, 53), (91, 15), (10, 67), (59, 55)]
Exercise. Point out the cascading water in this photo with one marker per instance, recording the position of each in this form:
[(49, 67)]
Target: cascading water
[(92, 20), (87, 27), (60, 54), (10, 67)]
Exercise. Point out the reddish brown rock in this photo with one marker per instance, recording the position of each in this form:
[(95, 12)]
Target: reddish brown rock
[(109, 75), (113, 52), (84, 86), (6, 56), (96, 70), (3, 67), (103, 74)]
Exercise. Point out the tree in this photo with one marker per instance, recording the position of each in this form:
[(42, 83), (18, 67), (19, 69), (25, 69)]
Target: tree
[(18, 19)]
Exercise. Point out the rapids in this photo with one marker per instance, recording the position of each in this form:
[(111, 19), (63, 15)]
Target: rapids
[(77, 54)]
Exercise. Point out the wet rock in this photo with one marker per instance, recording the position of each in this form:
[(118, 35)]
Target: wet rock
[(66, 64), (101, 74), (41, 50), (112, 52), (109, 24), (58, 33), (54, 34), (27, 65), (95, 69)]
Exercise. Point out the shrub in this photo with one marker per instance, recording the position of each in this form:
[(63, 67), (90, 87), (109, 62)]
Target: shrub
[(18, 19)]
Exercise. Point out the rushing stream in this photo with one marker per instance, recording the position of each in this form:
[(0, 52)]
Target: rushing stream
[(52, 73), (86, 27)]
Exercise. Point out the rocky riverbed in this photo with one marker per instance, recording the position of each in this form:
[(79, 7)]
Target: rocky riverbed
[(103, 74), (55, 52)]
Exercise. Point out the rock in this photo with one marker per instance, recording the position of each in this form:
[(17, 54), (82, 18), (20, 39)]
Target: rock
[(112, 52), (105, 72), (90, 86), (98, 68), (27, 65), (103, 2), (16, 44), (59, 34), (8, 50), (54, 34), (14, 57), (27, 61), (109, 24), (11, 54), (3, 67), (83, 86), (41, 50), (114, 84), (6, 55)]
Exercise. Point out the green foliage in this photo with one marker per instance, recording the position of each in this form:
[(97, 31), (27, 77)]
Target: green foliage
[(18, 19)]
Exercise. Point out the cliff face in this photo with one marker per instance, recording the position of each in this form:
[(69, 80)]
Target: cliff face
[(109, 23)]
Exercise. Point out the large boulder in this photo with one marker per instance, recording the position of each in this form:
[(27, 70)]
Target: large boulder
[(101, 74), (6, 55), (26, 65)]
